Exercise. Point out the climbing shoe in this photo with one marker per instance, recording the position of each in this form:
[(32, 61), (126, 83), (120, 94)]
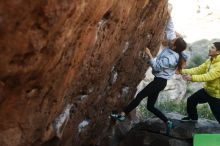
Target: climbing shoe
[(188, 119), (117, 116), (169, 126)]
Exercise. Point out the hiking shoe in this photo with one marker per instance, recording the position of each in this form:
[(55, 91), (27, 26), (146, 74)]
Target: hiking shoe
[(117, 116), (169, 126), (188, 119)]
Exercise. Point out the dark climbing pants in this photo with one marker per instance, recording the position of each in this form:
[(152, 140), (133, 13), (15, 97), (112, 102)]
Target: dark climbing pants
[(151, 91), (200, 97)]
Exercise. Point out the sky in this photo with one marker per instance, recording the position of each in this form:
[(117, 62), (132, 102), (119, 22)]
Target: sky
[(194, 23)]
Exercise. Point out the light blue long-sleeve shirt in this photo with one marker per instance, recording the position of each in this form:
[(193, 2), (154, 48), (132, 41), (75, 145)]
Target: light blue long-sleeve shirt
[(170, 32), (165, 64)]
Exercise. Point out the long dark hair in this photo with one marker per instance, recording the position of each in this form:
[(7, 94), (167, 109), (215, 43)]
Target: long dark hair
[(217, 45), (180, 46)]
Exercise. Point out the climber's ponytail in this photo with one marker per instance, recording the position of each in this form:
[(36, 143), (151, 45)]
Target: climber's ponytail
[(180, 46)]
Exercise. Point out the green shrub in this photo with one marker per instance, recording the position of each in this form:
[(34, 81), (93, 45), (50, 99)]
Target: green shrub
[(190, 90), (205, 112), (195, 61), (174, 106)]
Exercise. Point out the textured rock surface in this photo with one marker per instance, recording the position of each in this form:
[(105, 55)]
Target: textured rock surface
[(64, 65), (152, 132)]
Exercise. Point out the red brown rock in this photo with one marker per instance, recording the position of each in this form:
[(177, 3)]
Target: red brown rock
[(85, 54)]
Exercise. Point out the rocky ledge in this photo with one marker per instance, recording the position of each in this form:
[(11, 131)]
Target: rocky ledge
[(152, 132)]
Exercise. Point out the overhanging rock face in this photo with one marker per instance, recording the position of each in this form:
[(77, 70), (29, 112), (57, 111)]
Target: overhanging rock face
[(64, 65)]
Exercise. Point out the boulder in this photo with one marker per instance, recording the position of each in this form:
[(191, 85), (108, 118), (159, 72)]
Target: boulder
[(152, 132), (66, 64)]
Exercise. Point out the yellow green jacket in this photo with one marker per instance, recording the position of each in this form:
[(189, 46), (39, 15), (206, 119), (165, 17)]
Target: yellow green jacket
[(208, 72)]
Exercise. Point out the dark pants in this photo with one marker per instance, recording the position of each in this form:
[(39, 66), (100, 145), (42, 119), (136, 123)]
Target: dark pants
[(152, 90), (202, 97)]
